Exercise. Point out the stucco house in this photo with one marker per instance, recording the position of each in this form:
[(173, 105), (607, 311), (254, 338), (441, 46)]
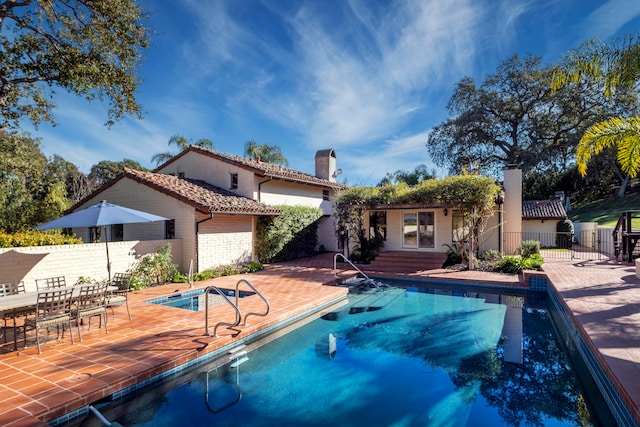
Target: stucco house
[(214, 200), (540, 219)]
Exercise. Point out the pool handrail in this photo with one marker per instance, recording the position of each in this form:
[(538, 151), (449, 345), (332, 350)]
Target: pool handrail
[(335, 272), (206, 310), (258, 293)]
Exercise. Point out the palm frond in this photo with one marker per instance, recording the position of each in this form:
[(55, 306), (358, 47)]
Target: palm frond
[(621, 131)]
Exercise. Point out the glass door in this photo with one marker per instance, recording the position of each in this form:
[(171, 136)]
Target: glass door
[(418, 230)]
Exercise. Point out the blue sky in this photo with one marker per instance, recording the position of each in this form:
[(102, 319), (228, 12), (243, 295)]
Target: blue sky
[(366, 78)]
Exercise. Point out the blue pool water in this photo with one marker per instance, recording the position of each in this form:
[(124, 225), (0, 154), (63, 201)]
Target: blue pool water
[(194, 300), (410, 357)]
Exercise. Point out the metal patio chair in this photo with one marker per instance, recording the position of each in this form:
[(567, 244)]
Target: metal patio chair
[(53, 309), (90, 303), (7, 289), (51, 283), (116, 298)]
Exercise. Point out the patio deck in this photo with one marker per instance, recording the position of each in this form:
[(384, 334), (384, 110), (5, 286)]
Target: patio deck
[(34, 389)]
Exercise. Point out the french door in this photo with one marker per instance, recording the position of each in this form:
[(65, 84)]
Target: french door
[(418, 229)]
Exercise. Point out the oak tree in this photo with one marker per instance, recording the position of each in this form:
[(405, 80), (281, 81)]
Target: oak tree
[(88, 48)]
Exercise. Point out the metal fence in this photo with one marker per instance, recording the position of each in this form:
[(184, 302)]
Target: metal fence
[(594, 244)]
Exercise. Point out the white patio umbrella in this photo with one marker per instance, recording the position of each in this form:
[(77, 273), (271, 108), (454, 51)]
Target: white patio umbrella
[(101, 215)]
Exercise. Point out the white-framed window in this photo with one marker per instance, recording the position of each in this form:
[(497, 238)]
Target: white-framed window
[(233, 181), (418, 229)]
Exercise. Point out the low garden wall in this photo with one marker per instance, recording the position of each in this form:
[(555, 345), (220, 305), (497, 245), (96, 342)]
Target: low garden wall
[(74, 261)]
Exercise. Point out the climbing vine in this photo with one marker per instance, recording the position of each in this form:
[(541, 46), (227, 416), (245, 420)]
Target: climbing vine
[(474, 196)]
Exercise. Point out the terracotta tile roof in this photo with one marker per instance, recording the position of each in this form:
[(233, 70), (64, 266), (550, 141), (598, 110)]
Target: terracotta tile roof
[(262, 168), (203, 196), (543, 209)]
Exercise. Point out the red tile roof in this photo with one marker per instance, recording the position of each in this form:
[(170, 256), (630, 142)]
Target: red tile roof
[(199, 194), (543, 209), (261, 168)]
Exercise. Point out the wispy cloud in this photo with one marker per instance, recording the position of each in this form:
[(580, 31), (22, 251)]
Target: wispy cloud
[(609, 18), (82, 138), (369, 166), (347, 75)]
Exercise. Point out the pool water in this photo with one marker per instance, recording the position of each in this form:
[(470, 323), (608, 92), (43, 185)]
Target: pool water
[(418, 356), (195, 300)]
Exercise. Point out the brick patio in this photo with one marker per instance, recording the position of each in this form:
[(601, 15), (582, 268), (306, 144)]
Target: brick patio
[(603, 296)]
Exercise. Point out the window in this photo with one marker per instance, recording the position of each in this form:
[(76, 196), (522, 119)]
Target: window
[(94, 234), (233, 184), (378, 225), (418, 230), (325, 194), (170, 229), (117, 233)]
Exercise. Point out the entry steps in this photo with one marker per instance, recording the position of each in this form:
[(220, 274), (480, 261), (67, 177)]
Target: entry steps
[(366, 299), (238, 356)]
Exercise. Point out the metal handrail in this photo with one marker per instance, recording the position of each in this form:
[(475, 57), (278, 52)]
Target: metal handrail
[(258, 293), (335, 261), (206, 310)]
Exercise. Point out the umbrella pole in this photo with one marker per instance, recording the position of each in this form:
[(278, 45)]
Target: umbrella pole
[(106, 242)]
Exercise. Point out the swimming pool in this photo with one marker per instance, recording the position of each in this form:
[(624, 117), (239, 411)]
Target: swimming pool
[(195, 300), (418, 356)]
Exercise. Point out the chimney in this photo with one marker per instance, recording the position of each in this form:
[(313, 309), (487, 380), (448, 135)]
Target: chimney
[(326, 165)]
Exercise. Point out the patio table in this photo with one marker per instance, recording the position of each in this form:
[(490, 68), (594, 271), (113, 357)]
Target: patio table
[(24, 301), (15, 304)]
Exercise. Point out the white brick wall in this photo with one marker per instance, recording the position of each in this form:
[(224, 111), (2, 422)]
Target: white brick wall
[(73, 261), (226, 239)]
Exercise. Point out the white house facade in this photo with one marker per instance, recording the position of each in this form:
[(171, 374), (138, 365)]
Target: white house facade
[(214, 201)]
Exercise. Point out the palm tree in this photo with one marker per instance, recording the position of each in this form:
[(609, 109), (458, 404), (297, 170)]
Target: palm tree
[(182, 143), (617, 66), (266, 153)]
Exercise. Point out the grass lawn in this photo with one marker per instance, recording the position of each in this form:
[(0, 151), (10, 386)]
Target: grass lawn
[(606, 212)]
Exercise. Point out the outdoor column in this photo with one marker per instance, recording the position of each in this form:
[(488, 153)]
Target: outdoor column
[(512, 217)]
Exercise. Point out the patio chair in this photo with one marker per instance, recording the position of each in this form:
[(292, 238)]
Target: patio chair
[(53, 309), (7, 289), (90, 303), (51, 283), (118, 297)]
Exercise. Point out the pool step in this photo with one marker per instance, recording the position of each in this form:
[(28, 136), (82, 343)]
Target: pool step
[(239, 362), (238, 356), (378, 300)]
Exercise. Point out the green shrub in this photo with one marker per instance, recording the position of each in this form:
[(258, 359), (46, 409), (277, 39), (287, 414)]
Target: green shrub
[(180, 278), (135, 283), (156, 269), (528, 248), (509, 264), (455, 254), (203, 275), (227, 270), (252, 267), (491, 255), (534, 262), (36, 238), (294, 234), (515, 265), (565, 232)]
